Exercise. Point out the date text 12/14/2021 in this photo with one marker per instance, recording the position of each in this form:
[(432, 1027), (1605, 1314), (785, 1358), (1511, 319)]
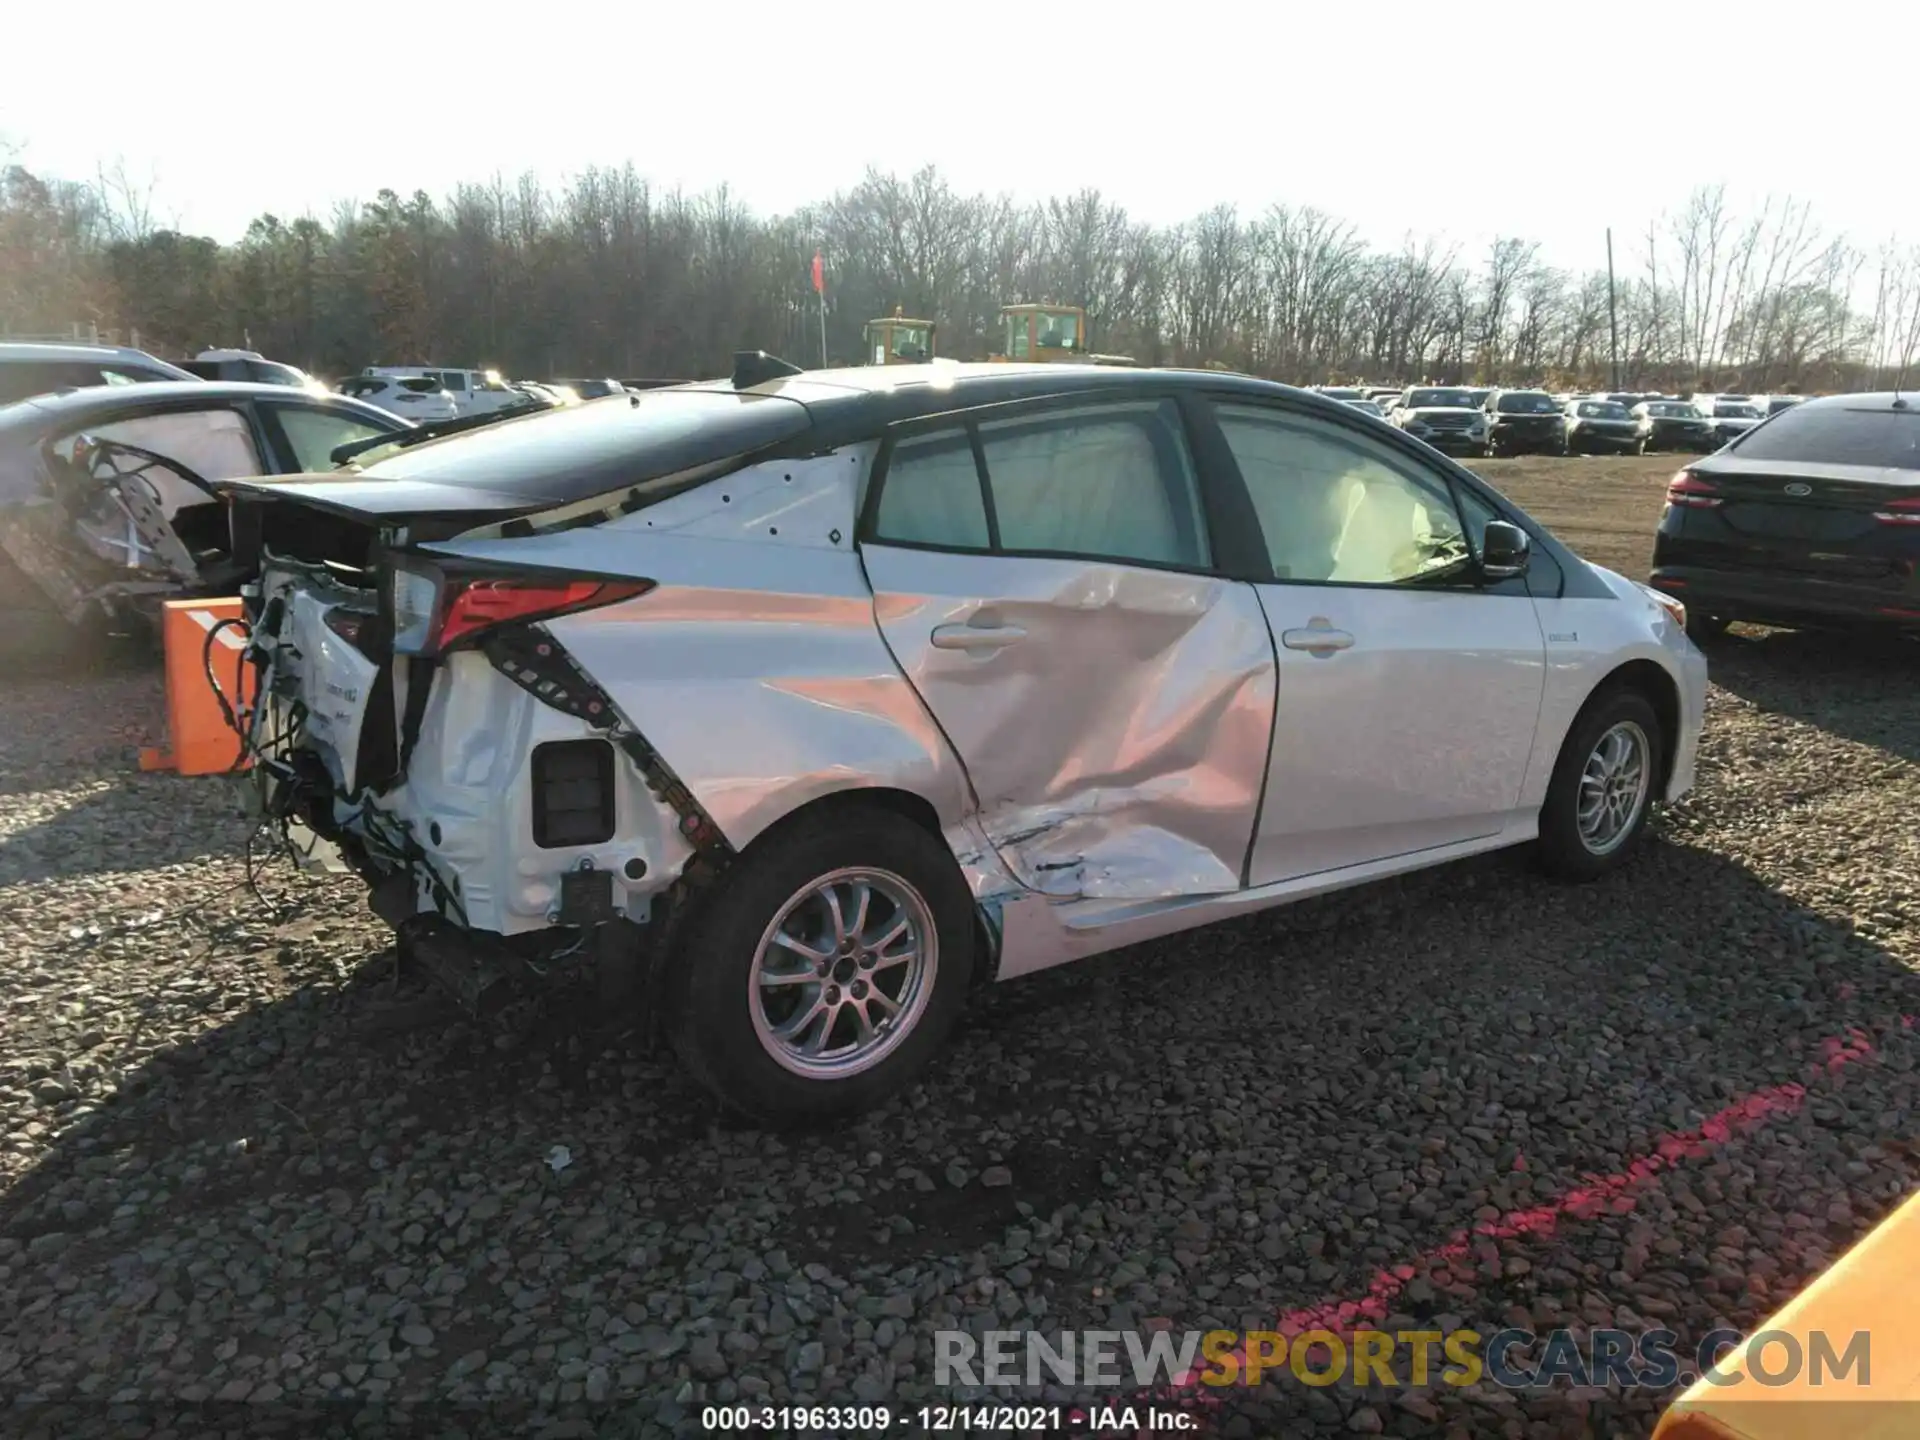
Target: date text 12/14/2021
[(1116, 1419)]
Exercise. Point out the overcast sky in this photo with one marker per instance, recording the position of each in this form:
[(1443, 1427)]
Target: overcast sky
[(1468, 121)]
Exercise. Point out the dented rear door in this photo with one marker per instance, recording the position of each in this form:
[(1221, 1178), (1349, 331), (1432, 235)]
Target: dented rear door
[(1042, 578)]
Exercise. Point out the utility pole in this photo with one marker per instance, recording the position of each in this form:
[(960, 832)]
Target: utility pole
[(1613, 315)]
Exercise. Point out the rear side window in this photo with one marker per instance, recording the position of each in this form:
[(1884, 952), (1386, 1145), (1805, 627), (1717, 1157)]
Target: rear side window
[(1111, 481), (1837, 435), (932, 494)]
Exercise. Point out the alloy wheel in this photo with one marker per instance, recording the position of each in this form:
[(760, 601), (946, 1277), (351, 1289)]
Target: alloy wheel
[(843, 973), (1613, 788)]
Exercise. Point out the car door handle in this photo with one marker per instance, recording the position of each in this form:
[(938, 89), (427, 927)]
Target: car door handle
[(1317, 639), (976, 637)]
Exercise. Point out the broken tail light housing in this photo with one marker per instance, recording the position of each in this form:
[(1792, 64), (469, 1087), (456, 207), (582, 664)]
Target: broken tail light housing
[(433, 612), (471, 606), (1688, 491), (1900, 512)]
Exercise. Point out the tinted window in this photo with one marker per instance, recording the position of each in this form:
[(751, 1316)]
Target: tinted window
[(1837, 435), (1735, 410), (931, 494), (1672, 410), (453, 379), (1602, 410), (1335, 507), (1440, 399), (1522, 402), (1113, 481), (312, 434)]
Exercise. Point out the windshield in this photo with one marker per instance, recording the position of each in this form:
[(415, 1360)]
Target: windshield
[(1602, 410), (1059, 332), (1440, 399), (1726, 410), (1837, 435), (1526, 402), (1342, 392), (1672, 410), (1370, 406)]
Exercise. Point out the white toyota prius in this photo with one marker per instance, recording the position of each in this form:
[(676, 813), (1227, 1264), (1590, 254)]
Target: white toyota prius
[(807, 701)]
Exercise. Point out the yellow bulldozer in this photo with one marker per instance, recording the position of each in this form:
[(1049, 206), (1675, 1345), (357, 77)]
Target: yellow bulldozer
[(896, 340), (1049, 334)]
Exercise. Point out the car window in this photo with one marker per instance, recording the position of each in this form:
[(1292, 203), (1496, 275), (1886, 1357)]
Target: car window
[(312, 434), (1475, 512), (1111, 481), (214, 444), (931, 494), (1334, 507), (453, 379), (1837, 435)]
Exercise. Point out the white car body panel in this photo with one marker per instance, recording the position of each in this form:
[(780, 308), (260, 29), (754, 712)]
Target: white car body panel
[(707, 665), (1416, 736)]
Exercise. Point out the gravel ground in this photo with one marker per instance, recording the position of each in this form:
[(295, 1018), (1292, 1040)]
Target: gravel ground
[(241, 1161)]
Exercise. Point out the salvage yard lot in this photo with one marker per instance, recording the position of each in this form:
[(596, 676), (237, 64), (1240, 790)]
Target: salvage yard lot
[(241, 1161)]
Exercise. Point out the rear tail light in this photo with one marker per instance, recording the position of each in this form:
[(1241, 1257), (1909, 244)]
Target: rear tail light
[(1899, 512), (471, 606), (432, 613), (1690, 492)]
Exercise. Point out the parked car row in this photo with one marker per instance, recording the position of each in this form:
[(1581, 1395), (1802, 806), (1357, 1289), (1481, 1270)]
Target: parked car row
[(1476, 420)]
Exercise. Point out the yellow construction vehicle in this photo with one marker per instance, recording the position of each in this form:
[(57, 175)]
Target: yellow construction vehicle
[(1049, 334), (897, 340)]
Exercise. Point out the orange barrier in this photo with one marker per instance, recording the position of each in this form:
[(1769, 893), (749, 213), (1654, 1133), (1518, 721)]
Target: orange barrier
[(1875, 1288), (199, 739)]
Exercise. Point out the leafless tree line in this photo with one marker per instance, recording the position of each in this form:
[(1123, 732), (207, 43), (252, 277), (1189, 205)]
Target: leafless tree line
[(611, 275)]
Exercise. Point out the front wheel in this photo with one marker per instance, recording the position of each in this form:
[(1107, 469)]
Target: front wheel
[(1602, 786), (826, 969)]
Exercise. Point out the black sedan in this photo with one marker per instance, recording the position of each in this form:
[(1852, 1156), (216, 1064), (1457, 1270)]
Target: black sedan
[(106, 499), (1600, 427), (1811, 521), (1673, 425)]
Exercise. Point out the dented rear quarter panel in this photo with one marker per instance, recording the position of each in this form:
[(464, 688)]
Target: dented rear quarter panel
[(754, 665)]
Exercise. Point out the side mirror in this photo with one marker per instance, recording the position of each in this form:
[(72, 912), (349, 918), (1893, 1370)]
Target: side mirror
[(1504, 550)]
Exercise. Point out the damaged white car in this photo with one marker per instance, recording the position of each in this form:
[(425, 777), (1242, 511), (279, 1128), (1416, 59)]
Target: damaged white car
[(816, 699)]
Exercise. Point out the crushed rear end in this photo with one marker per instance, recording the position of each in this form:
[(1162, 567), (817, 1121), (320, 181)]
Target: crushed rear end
[(420, 722)]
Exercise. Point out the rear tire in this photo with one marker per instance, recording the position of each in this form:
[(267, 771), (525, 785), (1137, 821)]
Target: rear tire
[(749, 968), (1603, 787)]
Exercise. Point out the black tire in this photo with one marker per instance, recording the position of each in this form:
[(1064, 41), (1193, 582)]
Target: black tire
[(1562, 850), (714, 1012)]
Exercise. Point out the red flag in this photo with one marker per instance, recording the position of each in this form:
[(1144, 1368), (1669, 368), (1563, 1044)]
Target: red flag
[(819, 273)]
